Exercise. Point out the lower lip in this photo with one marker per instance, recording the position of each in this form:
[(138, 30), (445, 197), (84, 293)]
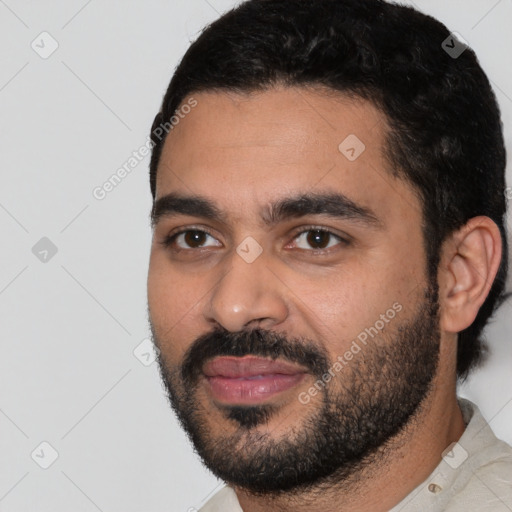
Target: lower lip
[(245, 390)]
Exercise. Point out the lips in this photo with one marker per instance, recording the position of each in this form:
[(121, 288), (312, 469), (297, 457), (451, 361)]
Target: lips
[(249, 366), (250, 379)]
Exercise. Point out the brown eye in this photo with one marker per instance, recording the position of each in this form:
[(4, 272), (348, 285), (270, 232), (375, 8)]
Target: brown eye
[(189, 239), (318, 239), (194, 238)]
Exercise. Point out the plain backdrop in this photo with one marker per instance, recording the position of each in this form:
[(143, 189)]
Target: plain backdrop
[(77, 393)]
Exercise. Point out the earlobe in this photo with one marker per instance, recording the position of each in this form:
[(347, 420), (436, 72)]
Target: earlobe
[(470, 262)]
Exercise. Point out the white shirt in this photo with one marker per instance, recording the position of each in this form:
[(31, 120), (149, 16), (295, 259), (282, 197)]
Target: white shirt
[(476, 474)]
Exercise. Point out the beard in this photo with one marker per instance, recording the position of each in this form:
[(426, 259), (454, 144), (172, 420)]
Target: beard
[(356, 414)]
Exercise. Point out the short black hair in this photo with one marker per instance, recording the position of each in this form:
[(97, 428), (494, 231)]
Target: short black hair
[(445, 136)]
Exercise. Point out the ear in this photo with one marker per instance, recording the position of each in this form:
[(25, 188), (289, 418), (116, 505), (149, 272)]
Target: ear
[(469, 263)]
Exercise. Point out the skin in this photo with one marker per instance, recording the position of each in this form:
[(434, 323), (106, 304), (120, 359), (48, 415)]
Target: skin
[(244, 151)]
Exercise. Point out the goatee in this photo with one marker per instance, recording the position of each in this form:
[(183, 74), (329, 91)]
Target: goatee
[(361, 409)]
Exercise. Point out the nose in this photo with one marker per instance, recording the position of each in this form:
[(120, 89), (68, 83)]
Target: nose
[(247, 295)]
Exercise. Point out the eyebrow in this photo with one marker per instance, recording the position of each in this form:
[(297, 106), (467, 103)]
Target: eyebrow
[(332, 204)]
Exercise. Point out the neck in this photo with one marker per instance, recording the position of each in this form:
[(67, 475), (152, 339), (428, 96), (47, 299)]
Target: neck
[(399, 467)]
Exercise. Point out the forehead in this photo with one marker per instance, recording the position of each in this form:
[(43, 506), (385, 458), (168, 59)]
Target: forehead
[(245, 149)]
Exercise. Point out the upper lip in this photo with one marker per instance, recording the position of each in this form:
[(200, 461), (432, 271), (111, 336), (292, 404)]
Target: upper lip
[(249, 366)]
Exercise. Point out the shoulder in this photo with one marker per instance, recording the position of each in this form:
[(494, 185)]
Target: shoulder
[(488, 488), (484, 481), (224, 500), (475, 473)]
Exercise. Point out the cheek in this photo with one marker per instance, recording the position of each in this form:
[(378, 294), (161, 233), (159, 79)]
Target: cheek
[(168, 304), (344, 304), (336, 306)]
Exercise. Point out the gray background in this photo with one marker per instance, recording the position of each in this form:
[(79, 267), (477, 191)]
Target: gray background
[(71, 321)]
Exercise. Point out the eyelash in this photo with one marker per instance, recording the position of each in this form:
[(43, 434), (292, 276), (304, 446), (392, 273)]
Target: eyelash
[(170, 239)]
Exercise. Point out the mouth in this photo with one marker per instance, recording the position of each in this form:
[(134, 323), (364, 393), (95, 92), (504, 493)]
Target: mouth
[(249, 379)]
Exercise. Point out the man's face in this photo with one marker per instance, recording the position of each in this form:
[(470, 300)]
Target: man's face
[(295, 340)]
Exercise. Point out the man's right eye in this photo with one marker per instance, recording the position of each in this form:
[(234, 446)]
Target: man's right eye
[(188, 239)]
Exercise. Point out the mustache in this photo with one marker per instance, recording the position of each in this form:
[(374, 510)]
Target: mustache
[(256, 342)]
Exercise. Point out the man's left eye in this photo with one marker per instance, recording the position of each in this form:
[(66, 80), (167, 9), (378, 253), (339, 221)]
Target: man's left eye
[(318, 239)]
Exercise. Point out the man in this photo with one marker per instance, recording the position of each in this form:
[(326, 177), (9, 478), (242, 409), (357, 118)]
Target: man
[(329, 242)]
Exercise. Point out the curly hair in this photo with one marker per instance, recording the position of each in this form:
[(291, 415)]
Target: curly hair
[(445, 137)]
